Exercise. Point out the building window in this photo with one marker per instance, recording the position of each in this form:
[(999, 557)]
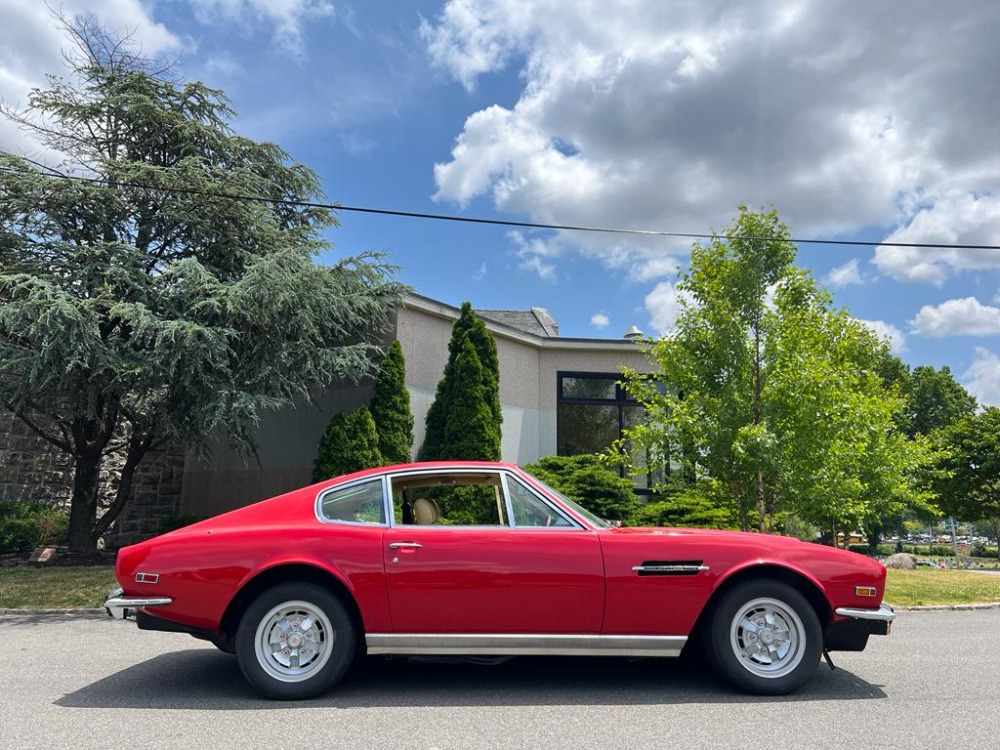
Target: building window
[(592, 410)]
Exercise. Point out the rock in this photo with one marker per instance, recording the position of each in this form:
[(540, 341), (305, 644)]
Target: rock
[(902, 561), (42, 554)]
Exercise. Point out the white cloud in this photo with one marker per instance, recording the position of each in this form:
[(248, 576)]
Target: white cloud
[(895, 337), (535, 254), (844, 275), (667, 115), (641, 269), (664, 304), (982, 379), (600, 321), (481, 272), (288, 18), (955, 218), (957, 317)]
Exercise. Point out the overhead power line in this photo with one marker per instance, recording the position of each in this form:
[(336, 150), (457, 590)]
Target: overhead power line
[(495, 222)]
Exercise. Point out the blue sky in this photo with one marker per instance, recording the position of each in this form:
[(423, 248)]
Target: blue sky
[(855, 122)]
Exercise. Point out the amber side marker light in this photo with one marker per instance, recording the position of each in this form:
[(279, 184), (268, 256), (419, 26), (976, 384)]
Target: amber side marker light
[(864, 591)]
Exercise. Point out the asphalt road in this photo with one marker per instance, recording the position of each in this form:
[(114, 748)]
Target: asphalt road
[(92, 683)]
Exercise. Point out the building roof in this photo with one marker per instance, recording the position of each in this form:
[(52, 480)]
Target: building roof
[(536, 321)]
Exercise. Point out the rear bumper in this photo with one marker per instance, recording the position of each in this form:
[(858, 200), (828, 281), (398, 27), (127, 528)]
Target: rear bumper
[(851, 633), (125, 607)]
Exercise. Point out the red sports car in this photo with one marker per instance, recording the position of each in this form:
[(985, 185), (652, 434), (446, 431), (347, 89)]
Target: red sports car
[(483, 559)]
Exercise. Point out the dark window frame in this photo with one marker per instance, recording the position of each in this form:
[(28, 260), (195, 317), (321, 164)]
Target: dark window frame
[(622, 401)]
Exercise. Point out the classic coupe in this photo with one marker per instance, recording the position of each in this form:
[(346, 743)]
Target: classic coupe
[(482, 559)]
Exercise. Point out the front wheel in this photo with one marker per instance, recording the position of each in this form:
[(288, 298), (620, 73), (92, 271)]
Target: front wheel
[(295, 641), (765, 638)]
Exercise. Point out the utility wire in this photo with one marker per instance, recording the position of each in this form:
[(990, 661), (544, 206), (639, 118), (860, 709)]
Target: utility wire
[(495, 222)]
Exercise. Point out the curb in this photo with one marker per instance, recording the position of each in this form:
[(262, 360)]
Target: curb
[(947, 607), (81, 612)]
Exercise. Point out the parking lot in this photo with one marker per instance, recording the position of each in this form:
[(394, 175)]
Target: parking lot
[(94, 683)]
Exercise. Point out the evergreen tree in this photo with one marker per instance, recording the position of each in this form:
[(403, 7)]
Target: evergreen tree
[(142, 307), (468, 327), (469, 433), (349, 444), (390, 408)]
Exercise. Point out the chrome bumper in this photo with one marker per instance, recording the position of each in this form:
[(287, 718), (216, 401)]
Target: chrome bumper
[(124, 607), (883, 614)]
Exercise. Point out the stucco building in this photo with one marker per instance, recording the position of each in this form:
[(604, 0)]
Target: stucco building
[(558, 396)]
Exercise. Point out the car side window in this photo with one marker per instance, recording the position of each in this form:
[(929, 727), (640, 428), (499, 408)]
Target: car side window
[(449, 499), (358, 503), (530, 510)]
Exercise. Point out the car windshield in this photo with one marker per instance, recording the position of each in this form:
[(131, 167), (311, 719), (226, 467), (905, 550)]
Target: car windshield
[(595, 520)]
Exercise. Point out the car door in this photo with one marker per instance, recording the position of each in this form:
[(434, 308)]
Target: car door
[(456, 574)]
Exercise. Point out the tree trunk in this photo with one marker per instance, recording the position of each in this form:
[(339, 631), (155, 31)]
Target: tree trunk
[(137, 449), (761, 503), (83, 510)]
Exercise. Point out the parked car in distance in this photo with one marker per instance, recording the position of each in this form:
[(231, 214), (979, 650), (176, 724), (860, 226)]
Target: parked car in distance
[(482, 559)]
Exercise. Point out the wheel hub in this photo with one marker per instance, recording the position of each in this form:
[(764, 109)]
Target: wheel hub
[(294, 640), (766, 637)]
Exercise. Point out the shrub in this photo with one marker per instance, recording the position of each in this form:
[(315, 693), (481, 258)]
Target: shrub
[(349, 444), (940, 550), (981, 550), (24, 526), (588, 481), (685, 508)]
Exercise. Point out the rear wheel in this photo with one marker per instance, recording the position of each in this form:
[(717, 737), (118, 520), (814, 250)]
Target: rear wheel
[(765, 637), (295, 641)]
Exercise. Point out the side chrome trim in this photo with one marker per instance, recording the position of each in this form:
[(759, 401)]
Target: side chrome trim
[(884, 613), (505, 644), (669, 569)]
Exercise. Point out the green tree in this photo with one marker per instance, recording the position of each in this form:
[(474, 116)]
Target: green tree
[(968, 484), (776, 398), (469, 433), (390, 408), (469, 327), (349, 444), (139, 307), (587, 479), (934, 399)]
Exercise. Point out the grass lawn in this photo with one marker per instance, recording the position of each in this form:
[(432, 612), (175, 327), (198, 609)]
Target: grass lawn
[(55, 588), (912, 588)]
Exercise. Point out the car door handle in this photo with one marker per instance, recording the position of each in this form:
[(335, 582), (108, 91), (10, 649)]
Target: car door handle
[(405, 545)]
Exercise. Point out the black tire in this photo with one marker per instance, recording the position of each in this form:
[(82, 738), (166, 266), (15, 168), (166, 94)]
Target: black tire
[(316, 631), (764, 637)]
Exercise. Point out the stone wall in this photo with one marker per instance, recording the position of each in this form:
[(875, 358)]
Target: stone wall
[(32, 470)]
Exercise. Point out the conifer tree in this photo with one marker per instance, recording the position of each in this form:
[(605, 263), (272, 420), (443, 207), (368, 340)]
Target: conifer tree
[(470, 327), (469, 433), (349, 444), (390, 408), (141, 307)]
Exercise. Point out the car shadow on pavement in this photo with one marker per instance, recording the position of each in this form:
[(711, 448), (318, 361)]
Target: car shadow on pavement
[(205, 679)]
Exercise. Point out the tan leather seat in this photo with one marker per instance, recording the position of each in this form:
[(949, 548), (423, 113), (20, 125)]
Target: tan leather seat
[(426, 511)]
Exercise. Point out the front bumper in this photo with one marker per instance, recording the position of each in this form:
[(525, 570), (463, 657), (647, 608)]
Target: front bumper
[(125, 607), (851, 633)]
